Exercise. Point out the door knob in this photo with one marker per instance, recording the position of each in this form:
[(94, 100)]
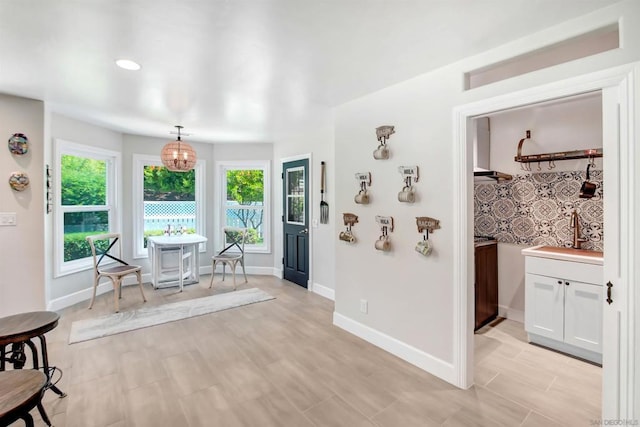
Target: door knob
[(305, 231)]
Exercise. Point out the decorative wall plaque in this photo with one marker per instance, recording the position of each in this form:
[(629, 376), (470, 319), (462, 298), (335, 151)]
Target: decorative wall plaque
[(18, 144), (19, 181)]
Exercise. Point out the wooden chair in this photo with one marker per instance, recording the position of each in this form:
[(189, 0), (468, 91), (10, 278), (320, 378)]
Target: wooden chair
[(108, 245), (232, 254)]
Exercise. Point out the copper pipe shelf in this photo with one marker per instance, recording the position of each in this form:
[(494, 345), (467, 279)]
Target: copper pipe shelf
[(589, 153)]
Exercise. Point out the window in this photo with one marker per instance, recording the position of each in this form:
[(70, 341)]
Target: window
[(86, 197), (162, 198), (245, 201)]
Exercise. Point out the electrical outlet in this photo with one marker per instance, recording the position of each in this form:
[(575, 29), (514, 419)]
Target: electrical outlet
[(364, 306), (7, 218)]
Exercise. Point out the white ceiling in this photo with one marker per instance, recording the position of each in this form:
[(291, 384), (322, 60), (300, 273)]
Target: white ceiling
[(240, 70)]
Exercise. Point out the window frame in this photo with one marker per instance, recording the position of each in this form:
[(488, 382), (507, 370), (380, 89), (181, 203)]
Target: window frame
[(113, 161), (139, 161), (265, 166)]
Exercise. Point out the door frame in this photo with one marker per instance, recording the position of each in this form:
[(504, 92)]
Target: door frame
[(617, 373), (283, 160)]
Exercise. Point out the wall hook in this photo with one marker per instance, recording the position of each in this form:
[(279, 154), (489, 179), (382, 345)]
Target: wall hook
[(349, 220), (364, 179), (383, 133)]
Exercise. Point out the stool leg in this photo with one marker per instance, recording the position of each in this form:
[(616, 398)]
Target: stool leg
[(43, 414), (47, 371), (28, 420)]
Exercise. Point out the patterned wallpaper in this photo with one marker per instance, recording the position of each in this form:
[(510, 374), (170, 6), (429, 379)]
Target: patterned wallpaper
[(535, 209)]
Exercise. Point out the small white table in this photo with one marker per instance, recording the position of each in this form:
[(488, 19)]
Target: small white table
[(186, 246)]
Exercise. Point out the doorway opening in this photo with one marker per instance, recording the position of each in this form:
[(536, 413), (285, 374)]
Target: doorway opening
[(524, 295), (616, 87)]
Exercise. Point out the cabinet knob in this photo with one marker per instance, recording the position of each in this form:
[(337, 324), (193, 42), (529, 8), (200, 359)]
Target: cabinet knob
[(559, 282), (566, 283)]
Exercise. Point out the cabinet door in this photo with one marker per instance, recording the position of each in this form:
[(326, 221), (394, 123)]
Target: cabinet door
[(486, 284), (583, 316), (544, 306)]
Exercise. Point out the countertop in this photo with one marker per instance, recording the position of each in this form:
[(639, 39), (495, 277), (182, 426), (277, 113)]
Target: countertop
[(565, 254)]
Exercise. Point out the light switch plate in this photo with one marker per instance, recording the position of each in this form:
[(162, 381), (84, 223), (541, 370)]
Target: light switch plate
[(7, 218)]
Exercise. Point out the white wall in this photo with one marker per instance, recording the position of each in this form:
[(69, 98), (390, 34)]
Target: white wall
[(22, 251), (311, 135), (410, 297), (568, 125)]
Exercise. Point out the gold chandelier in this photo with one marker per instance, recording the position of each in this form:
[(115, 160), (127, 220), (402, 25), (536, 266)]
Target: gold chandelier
[(178, 156)]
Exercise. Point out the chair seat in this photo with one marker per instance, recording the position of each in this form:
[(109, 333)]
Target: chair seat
[(119, 269), (227, 257)]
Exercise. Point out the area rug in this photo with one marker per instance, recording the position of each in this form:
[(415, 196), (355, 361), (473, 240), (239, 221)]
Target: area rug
[(88, 329)]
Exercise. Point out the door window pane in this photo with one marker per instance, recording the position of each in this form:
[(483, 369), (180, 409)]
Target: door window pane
[(295, 210), (295, 196), (295, 181)]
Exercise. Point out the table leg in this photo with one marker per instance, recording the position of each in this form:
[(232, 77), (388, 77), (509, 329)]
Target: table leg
[(181, 267)]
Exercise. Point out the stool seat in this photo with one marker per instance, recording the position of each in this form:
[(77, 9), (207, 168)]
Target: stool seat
[(20, 392)]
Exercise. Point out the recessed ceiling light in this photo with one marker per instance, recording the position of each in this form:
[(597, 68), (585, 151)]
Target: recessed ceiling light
[(128, 64)]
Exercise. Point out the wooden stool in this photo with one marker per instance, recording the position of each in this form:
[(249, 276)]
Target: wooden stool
[(20, 330), (20, 391)]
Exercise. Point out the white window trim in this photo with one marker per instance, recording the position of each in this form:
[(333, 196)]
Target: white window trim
[(141, 160), (222, 167), (114, 163)]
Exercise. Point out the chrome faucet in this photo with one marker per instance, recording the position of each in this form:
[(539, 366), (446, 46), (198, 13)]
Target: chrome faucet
[(575, 224)]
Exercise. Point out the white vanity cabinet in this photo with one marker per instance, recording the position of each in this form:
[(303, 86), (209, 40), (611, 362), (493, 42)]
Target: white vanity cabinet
[(563, 305)]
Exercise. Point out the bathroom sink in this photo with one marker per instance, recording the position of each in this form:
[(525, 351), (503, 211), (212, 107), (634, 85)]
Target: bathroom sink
[(565, 254)]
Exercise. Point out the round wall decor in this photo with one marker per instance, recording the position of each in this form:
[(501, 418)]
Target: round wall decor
[(18, 144), (19, 181)]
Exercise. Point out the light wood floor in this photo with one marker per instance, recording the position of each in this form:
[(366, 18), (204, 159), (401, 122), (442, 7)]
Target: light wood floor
[(283, 363)]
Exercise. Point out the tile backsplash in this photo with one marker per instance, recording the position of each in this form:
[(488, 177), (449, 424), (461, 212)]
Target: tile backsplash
[(535, 209)]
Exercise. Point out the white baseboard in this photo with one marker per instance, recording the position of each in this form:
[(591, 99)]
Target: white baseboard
[(323, 291), (278, 273), (511, 313), (419, 358)]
